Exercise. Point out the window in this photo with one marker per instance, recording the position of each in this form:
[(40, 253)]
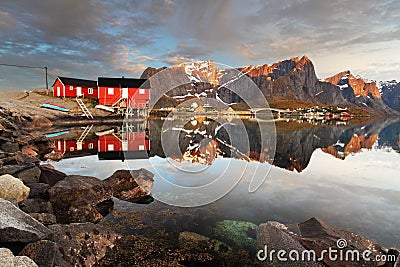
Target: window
[(110, 147), (91, 146), (110, 91), (141, 147), (71, 148), (90, 91), (141, 91), (71, 87)]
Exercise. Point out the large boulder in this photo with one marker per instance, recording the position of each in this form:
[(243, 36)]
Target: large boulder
[(30, 150), (30, 175), (276, 236), (75, 198), (50, 176), (7, 259), (131, 185), (39, 190), (13, 169), (45, 253), (11, 187), (83, 244), (318, 236), (36, 205), (10, 147), (17, 226)]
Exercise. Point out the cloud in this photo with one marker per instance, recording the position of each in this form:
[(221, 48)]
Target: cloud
[(144, 58), (175, 60), (246, 51), (91, 38)]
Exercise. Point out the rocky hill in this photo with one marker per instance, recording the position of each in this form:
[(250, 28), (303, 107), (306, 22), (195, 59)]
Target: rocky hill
[(362, 92)]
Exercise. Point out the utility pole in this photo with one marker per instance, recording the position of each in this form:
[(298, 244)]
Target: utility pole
[(47, 83)]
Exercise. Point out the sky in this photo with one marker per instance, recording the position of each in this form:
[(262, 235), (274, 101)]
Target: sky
[(91, 38)]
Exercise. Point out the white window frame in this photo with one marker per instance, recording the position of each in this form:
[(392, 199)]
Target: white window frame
[(71, 87), (90, 91), (91, 146), (110, 91), (110, 147), (141, 147), (141, 91)]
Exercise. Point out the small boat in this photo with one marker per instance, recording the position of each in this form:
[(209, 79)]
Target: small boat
[(51, 106), (50, 135)]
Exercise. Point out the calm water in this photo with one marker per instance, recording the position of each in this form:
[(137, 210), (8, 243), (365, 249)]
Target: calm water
[(347, 175)]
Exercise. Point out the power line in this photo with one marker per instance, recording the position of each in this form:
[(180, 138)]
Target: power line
[(29, 67), (21, 66)]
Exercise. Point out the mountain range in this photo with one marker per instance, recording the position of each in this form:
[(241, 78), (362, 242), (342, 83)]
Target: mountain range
[(291, 79)]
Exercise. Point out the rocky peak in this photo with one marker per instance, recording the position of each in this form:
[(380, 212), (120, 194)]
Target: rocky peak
[(360, 86)]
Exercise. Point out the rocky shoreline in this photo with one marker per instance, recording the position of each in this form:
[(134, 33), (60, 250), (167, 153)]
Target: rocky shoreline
[(48, 218)]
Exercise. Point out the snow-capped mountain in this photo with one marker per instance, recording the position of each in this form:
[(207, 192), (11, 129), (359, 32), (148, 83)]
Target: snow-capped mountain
[(390, 92), (292, 79), (362, 92)]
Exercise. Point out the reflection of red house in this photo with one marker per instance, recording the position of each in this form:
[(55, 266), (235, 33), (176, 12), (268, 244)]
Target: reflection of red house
[(73, 145), (71, 87), (109, 143), (133, 142), (123, 92), (134, 145)]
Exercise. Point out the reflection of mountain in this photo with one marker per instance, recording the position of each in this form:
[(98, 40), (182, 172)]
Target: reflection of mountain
[(356, 143), (294, 148), (201, 140)]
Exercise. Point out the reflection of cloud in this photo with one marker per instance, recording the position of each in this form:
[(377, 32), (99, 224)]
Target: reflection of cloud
[(358, 194)]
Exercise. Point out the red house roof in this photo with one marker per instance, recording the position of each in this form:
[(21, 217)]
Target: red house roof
[(76, 82), (123, 82)]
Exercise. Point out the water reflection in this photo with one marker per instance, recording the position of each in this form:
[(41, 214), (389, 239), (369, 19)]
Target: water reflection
[(202, 140)]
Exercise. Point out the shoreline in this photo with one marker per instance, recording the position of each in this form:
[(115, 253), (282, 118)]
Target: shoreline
[(46, 201)]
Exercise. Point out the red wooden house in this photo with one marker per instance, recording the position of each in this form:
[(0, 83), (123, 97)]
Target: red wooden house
[(71, 87), (123, 92)]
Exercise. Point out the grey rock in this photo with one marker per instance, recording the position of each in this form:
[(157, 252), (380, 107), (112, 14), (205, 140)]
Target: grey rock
[(275, 236), (39, 190), (44, 218), (84, 244), (36, 205), (131, 185), (10, 147), (50, 176), (29, 176), (75, 198), (24, 261), (17, 226), (6, 258), (13, 169), (317, 235), (45, 253), (11, 187)]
